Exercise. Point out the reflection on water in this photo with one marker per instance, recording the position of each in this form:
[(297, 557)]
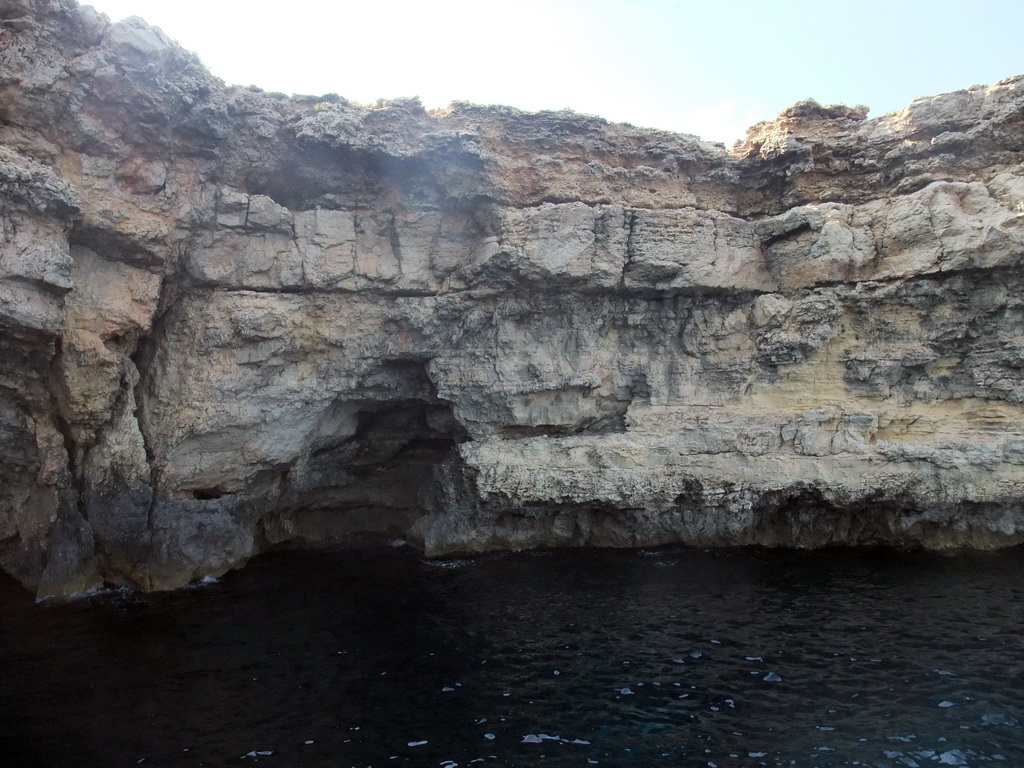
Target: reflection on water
[(663, 658)]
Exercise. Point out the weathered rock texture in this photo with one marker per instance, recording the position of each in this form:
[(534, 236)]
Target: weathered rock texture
[(232, 319)]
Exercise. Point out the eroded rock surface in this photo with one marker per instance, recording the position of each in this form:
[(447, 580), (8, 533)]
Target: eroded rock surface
[(231, 319)]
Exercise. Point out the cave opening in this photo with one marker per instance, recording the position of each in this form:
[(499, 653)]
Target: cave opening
[(365, 477)]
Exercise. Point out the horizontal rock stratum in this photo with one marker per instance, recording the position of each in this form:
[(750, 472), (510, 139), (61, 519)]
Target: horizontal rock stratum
[(232, 319)]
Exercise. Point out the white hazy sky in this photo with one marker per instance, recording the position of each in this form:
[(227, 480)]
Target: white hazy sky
[(709, 68)]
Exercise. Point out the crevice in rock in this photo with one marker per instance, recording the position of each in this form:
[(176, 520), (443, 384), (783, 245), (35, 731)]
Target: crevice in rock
[(172, 292), (396, 245), (771, 240), (74, 451), (206, 494), (521, 431), (613, 421), (631, 219), (115, 246)]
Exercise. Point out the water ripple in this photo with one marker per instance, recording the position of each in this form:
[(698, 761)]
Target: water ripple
[(656, 658)]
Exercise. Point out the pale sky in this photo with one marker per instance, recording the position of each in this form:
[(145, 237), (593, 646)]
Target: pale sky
[(708, 68)]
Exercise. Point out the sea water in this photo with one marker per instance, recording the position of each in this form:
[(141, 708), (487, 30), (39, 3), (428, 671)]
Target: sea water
[(676, 657)]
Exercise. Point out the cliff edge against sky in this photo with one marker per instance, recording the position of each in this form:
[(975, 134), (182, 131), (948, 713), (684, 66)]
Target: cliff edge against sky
[(231, 319)]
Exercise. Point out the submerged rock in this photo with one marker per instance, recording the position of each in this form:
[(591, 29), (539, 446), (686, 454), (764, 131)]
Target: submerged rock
[(232, 320)]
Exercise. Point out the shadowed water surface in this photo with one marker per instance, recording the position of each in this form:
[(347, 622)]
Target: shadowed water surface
[(676, 657)]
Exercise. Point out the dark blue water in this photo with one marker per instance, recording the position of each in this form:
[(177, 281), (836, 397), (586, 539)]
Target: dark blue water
[(668, 658)]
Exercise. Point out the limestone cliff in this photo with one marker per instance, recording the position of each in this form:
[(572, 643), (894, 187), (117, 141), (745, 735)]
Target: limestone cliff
[(231, 319)]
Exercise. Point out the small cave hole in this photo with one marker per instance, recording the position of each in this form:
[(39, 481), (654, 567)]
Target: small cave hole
[(205, 494)]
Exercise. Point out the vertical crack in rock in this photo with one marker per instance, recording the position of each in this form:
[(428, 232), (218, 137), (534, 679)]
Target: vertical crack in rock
[(70, 565), (75, 452), (135, 569), (145, 351), (631, 221), (395, 241)]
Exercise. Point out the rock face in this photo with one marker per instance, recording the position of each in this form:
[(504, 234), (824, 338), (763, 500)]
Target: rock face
[(231, 320)]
